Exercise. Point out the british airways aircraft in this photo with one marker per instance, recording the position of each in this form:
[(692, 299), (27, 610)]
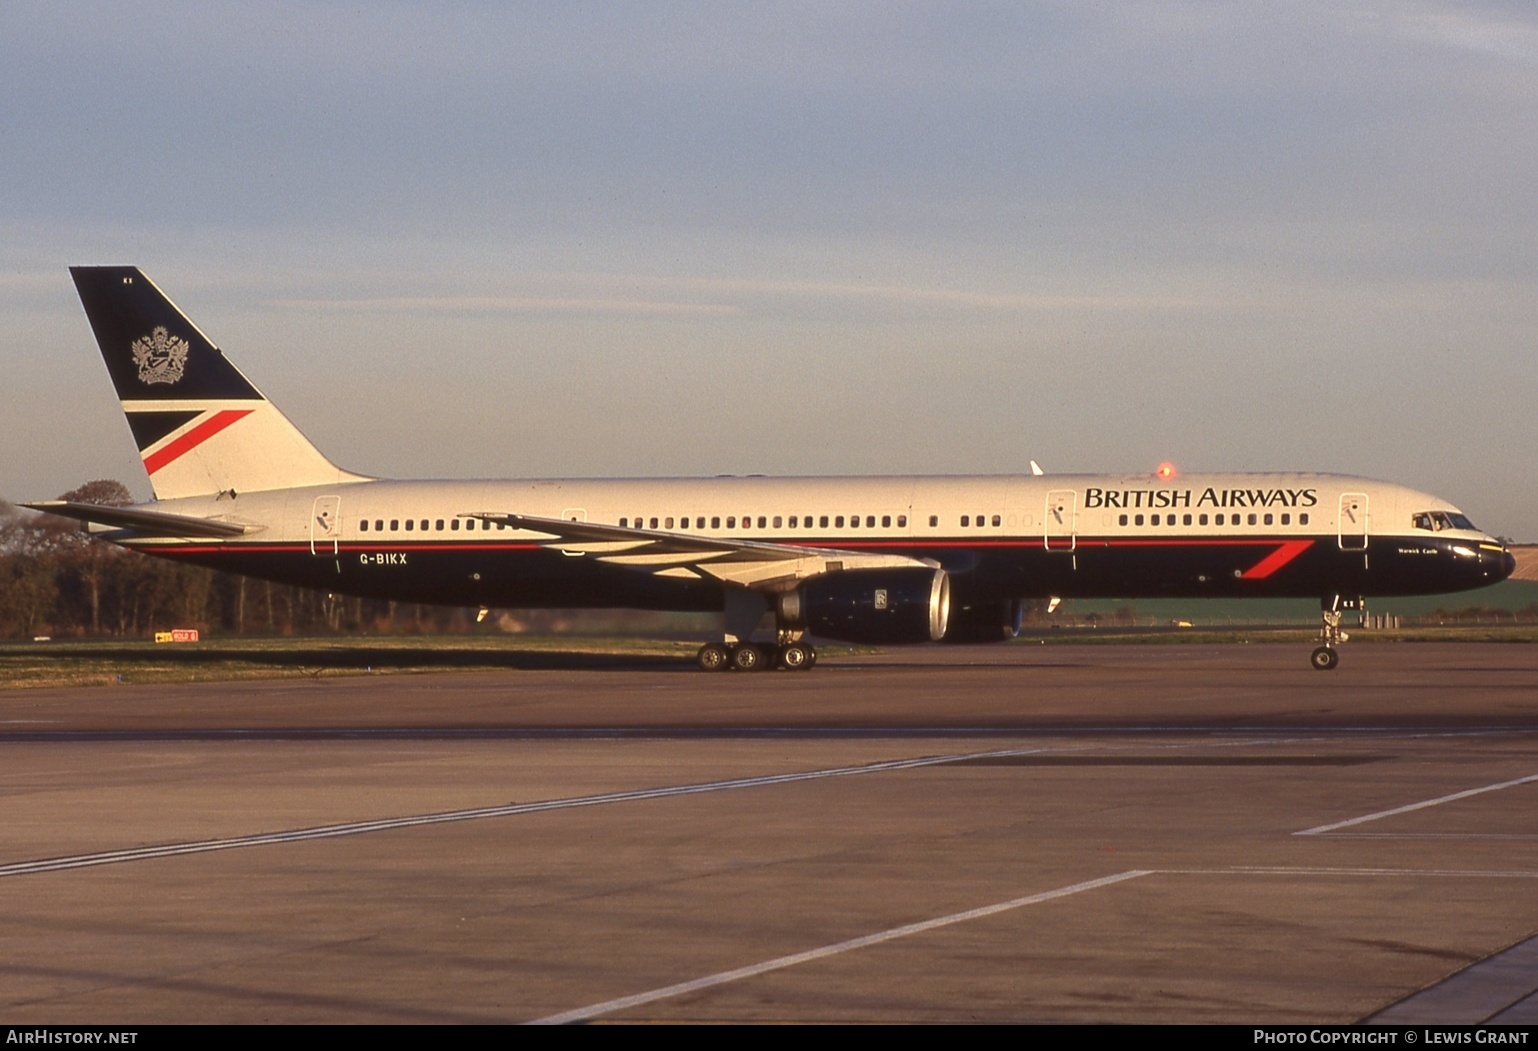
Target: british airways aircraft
[(873, 560)]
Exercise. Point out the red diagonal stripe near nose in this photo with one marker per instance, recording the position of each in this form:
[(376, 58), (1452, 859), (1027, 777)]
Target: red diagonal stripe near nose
[(1284, 553), (193, 438)]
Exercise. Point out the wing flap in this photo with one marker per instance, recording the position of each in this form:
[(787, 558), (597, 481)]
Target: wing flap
[(758, 564)]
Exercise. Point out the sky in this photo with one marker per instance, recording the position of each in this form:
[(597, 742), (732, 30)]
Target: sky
[(630, 239)]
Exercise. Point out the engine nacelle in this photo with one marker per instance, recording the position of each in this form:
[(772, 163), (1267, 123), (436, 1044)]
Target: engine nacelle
[(873, 605), (986, 622)]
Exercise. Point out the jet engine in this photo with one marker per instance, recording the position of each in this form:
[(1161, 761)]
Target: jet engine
[(872, 605), (986, 622)]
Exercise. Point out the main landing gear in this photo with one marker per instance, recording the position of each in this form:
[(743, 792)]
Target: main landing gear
[(744, 609), (796, 655), (1324, 657)]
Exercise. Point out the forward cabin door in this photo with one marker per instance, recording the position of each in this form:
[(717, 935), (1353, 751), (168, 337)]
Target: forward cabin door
[(1353, 522), (326, 526), (1060, 527)]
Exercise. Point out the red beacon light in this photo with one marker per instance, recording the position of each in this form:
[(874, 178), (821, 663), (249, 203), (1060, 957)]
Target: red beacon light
[(1166, 471)]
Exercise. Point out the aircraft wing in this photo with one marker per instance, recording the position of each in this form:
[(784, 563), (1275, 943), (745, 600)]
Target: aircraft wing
[(689, 556), (145, 523)]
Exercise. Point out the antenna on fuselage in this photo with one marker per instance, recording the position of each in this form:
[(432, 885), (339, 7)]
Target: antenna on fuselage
[(1036, 469)]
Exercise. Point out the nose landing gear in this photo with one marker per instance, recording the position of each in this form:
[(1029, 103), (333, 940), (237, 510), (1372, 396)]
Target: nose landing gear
[(1324, 657)]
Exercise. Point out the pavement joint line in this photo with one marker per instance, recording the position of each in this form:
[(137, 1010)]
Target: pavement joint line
[(353, 828), (1409, 808), (1306, 870), (779, 963), (1515, 836), (1297, 734)]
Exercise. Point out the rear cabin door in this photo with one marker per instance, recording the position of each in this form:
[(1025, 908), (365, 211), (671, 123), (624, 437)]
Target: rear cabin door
[(574, 514), (325, 526)]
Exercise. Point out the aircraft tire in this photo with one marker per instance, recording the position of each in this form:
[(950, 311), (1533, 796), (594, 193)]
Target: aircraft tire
[(1324, 658), (747, 657), (798, 656), (713, 657)]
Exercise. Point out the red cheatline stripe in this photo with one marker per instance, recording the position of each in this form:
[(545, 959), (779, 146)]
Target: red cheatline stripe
[(1284, 554), (192, 439)]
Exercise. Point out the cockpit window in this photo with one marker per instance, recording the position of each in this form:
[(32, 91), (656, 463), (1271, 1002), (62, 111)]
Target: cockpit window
[(1436, 521)]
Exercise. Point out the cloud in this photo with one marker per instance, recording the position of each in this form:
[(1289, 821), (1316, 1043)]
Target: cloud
[(1510, 33)]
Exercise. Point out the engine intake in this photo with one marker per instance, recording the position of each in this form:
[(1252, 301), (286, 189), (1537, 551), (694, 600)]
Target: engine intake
[(873, 605), (987, 622)]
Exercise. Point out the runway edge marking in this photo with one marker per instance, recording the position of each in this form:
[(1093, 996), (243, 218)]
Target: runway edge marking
[(1321, 829), (353, 828), (582, 1014)]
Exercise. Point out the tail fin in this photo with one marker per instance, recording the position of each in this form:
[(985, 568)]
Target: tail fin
[(201, 426)]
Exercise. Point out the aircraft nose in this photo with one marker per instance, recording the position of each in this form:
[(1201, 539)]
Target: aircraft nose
[(1505, 565)]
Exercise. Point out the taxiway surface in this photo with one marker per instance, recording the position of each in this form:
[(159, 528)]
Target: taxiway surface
[(1015, 833)]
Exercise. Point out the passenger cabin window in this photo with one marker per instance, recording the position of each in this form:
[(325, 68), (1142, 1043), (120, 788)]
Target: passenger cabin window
[(395, 524), (934, 520), (966, 520), (363, 526), (902, 521)]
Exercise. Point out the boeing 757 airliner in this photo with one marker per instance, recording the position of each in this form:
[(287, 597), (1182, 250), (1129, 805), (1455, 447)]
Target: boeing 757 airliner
[(873, 560)]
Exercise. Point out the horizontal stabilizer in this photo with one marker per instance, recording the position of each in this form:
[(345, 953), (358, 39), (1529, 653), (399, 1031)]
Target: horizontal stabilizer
[(146, 523)]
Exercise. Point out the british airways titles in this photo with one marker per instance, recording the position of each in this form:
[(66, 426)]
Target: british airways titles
[(1209, 497)]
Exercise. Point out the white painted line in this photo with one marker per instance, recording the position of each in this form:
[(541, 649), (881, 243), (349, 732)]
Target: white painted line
[(1321, 829), (353, 828), (582, 1014)]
